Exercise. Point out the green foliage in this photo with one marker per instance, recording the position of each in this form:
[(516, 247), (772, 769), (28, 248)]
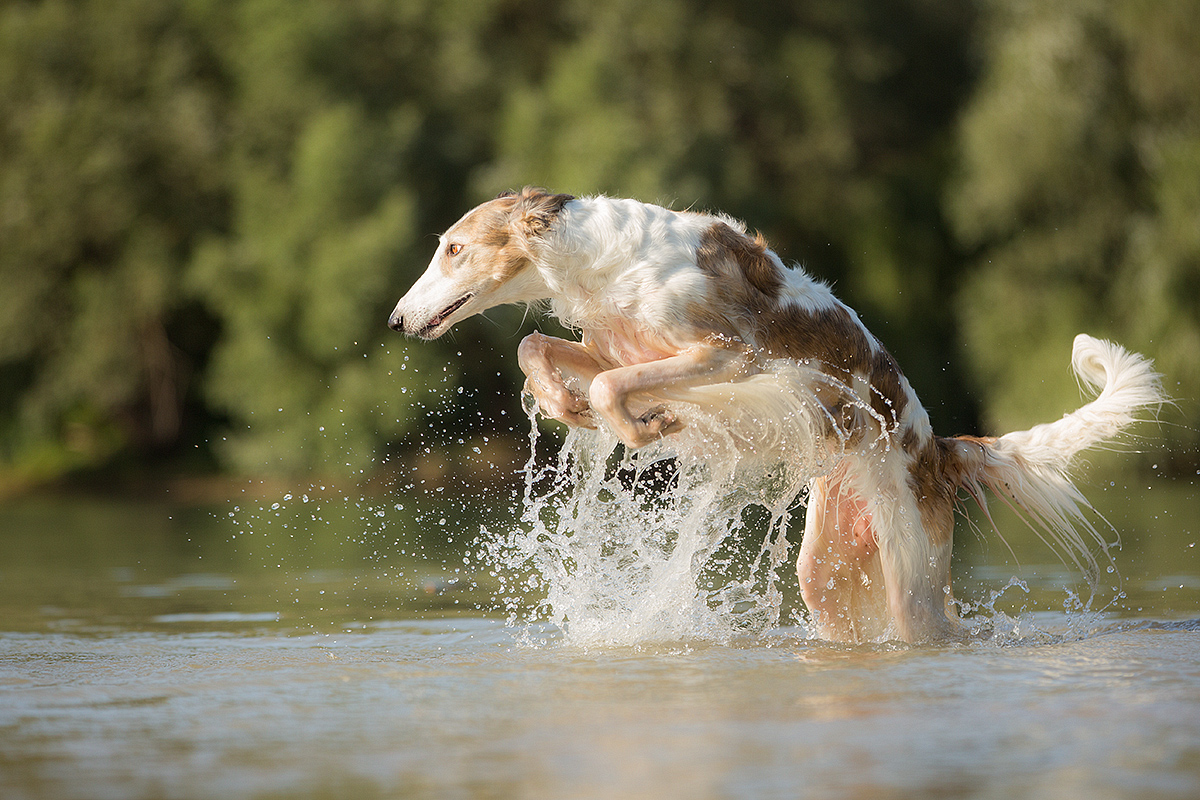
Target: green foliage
[(1080, 195), (208, 208), (109, 161), (297, 285)]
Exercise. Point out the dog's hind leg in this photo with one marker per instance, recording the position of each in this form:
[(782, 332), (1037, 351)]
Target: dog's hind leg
[(914, 552), (918, 594), (871, 564), (841, 579)]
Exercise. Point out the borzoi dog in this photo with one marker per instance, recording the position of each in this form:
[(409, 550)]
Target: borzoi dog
[(670, 302)]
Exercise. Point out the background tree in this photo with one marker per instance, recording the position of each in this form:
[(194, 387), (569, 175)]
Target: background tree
[(208, 207), (1079, 195), (110, 162)]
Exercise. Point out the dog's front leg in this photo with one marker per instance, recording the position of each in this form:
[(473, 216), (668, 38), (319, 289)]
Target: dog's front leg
[(701, 364), (559, 373)]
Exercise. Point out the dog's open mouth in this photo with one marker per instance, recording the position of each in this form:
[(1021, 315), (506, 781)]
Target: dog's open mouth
[(442, 316)]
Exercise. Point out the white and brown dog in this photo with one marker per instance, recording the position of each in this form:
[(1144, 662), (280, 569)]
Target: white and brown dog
[(670, 302)]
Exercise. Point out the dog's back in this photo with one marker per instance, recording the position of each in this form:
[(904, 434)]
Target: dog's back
[(626, 270)]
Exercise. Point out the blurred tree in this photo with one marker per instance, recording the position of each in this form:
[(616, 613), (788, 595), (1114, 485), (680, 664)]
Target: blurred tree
[(358, 123), (208, 207), (110, 162), (319, 220), (1080, 197)]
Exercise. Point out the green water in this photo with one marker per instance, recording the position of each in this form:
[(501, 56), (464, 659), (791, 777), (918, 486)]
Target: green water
[(321, 645), (279, 561), (318, 562)]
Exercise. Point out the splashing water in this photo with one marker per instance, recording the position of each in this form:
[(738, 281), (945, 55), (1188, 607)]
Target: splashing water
[(651, 546), (687, 538), (619, 546)]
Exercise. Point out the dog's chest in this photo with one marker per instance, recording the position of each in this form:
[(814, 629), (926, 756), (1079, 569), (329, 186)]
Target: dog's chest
[(639, 318), (624, 342)]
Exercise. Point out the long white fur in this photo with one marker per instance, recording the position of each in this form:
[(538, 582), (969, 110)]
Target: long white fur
[(626, 274), (1031, 468)]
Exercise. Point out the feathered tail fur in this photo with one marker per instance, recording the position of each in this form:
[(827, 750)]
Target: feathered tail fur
[(1029, 469)]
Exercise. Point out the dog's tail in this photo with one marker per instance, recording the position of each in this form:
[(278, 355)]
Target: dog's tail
[(1030, 469)]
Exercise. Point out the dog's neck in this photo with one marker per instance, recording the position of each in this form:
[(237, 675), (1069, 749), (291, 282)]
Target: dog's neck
[(605, 257)]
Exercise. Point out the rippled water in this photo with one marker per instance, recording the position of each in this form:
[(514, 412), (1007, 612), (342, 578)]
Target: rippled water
[(316, 645), (461, 708)]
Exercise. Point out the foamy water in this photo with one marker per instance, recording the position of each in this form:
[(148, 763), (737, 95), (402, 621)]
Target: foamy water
[(657, 545), (688, 538)]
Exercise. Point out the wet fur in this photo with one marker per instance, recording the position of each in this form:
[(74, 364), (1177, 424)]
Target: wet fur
[(672, 306)]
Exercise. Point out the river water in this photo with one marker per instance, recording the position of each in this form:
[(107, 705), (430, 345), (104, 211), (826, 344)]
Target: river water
[(312, 644)]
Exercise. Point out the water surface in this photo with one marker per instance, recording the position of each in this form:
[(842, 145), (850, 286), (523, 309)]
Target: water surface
[(322, 649)]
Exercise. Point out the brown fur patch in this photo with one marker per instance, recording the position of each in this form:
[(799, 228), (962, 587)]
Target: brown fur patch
[(535, 209), (721, 244), (496, 236), (747, 284), (833, 337), (936, 473), (487, 241)]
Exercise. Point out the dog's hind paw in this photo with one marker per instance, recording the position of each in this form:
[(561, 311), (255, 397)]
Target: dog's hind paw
[(660, 421)]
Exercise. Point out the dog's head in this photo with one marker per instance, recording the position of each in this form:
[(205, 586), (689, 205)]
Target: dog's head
[(484, 260)]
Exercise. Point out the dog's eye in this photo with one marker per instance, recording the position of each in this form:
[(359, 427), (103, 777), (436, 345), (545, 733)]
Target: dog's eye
[(454, 249)]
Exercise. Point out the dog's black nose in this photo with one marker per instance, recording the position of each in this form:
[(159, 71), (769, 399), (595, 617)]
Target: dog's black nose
[(396, 323)]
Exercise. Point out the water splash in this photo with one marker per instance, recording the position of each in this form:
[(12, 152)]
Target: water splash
[(618, 548), (687, 538), (616, 545), (988, 623)]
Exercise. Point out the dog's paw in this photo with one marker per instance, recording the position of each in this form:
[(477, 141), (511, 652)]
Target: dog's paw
[(554, 400), (658, 422)]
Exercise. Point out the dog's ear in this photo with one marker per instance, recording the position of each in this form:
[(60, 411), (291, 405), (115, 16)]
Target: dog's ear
[(536, 210)]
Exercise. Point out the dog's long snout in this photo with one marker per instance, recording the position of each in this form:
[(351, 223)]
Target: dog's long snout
[(396, 323)]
